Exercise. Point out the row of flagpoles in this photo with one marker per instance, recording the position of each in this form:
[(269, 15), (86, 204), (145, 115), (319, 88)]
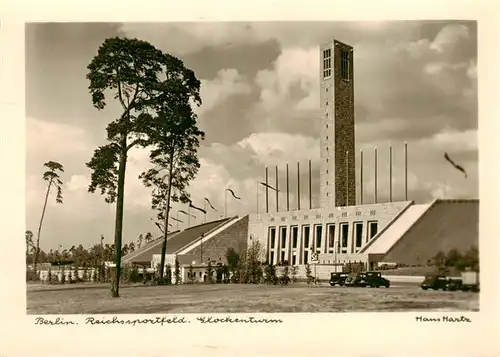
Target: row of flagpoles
[(276, 189)]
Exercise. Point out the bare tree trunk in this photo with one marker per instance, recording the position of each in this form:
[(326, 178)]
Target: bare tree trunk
[(115, 283), (167, 213), (40, 226)]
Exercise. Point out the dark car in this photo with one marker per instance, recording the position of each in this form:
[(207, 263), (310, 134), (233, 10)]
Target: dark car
[(356, 280), (338, 278), (375, 279), (454, 284), (435, 282)]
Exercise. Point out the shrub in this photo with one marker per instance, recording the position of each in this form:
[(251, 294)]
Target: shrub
[(95, 275), (285, 278), (63, 274), (209, 273), (191, 273), (294, 273), (177, 272), (134, 276), (168, 275), (233, 264), (225, 274), (270, 275), (310, 278)]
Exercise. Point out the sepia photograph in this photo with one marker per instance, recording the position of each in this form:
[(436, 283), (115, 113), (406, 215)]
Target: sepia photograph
[(252, 167)]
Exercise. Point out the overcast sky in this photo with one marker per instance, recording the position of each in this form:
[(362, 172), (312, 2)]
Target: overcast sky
[(414, 81)]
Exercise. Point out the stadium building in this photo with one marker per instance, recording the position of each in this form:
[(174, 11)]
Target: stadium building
[(341, 230)]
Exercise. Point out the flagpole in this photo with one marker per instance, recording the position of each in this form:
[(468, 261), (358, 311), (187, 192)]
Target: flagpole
[(298, 185), (347, 178), (257, 189), (390, 173), (277, 196), (376, 185), (310, 185), (287, 191), (361, 177), (267, 193), (406, 171)]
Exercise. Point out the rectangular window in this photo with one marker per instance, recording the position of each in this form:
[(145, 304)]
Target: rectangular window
[(271, 261), (306, 236), (358, 232), (372, 229), (282, 257), (306, 257), (294, 260), (295, 236), (344, 64), (319, 232), (344, 229), (327, 63), (331, 235), (283, 237), (272, 236)]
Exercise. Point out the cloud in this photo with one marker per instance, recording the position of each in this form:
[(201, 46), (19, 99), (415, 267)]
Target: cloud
[(78, 183), (215, 92), (54, 139), (449, 36)]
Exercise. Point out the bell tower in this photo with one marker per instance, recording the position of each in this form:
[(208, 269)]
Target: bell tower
[(337, 137)]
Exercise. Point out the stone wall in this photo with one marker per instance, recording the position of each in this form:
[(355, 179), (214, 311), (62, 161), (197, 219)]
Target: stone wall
[(215, 248)]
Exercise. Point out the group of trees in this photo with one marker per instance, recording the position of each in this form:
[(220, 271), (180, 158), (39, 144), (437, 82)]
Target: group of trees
[(79, 255), (156, 93), (453, 259)]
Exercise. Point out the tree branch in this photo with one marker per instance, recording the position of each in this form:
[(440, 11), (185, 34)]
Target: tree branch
[(120, 96), (132, 144)]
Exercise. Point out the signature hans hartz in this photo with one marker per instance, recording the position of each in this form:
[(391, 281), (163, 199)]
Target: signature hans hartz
[(443, 318)]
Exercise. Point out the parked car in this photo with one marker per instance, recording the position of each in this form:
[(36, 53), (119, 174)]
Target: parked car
[(356, 280), (435, 282), (338, 278), (375, 279)]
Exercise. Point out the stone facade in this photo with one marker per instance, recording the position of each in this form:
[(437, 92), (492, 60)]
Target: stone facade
[(337, 136), (215, 248), (325, 228)]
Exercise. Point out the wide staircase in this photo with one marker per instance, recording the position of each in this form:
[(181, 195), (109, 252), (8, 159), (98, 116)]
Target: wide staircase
[(446, 225), (394, 232)]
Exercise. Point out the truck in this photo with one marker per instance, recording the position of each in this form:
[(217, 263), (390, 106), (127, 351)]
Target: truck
[(470, 281), (435, 282)]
